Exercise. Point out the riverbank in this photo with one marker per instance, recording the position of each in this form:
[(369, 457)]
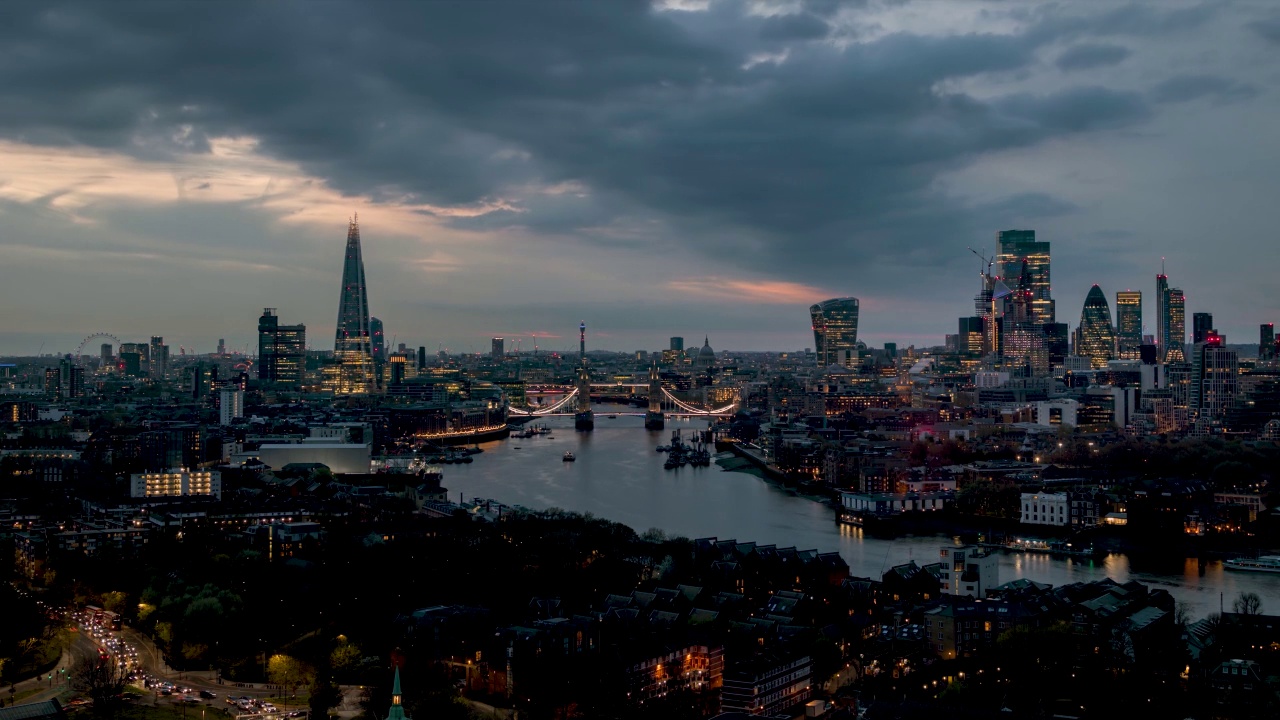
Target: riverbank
[(744, 462)]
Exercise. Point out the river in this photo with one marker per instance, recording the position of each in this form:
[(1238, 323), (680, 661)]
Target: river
[(619, 476)]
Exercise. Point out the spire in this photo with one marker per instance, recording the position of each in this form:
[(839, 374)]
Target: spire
[(395, 688), (396, 711)]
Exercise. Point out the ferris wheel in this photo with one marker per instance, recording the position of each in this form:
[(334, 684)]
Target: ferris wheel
[(79, 356)]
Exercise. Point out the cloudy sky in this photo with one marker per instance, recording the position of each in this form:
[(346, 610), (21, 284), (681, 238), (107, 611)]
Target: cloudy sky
[(678, 168)]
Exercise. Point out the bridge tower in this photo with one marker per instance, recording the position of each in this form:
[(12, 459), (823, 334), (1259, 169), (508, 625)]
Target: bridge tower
[(653, 420), (584, 419)]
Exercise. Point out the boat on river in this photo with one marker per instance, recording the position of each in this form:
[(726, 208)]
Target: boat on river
[(570, 457), (1265, 563)]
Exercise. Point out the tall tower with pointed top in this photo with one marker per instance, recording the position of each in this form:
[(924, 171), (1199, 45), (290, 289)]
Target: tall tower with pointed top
[(396, 711), (353, 342)]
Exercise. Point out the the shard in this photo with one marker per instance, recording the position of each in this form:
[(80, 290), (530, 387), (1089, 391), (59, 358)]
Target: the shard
[(353, 346)]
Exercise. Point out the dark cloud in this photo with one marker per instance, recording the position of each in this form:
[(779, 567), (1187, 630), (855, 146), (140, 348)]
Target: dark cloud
[(674, 124), (1087, 56), (1186, 88), (1268, 29)]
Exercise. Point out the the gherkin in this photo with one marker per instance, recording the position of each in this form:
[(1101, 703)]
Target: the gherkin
[(1095, 338)]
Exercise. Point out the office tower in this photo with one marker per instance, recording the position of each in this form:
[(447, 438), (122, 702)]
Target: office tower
[(141, 354), (1128, 324), (222, 346), (159, 354), (282, 350), (131, 363), (1095, 338), (378, 341), (1020, 254), (1176, 312), (422, 357), (353, 349), (835, 331), (1024, 349), (1057, 342), (677, 344), (1201, 326), (496, 348), (398, 368), (230, 405), (1214, 378), (1162, 312), (1267, 342), (969, 336), (105, 353)]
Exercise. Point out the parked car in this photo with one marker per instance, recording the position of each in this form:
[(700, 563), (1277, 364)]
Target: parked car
[(208, 695)]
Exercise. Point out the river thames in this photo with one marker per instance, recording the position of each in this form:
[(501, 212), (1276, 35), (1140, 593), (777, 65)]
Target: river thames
[(619, 476)]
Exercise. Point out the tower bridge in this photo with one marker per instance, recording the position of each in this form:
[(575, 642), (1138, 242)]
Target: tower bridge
[(575, 402)]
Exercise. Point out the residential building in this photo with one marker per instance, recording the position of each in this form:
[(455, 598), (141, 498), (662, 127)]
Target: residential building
[(176, 483), (968, 570), (230, 405), (767, 684), (1267, 341), (1046, 509), (1215, 372)]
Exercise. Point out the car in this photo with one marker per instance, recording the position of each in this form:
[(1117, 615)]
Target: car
[(208, 695)]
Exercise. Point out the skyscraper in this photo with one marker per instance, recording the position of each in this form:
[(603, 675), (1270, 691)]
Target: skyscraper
[(1176, 312), (1024, 342), (1214, 378), (1162, 312), (497, 348), (835, 331), (159, 355), (230, 405), (378, 338), (1201, 326), (1095, 338), (353, 348), (1267, 342), (282, 350), (1128, 324), (1019, 252)]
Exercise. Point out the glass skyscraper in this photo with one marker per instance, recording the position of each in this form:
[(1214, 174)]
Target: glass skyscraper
[(1176, 338), (282, 350), (353, 342), (835, 331), (1129, 324), (1201, 326), (1019, 252), (1095, 338)]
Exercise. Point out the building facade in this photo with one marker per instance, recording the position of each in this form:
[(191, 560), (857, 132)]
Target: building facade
[(1024, 260), (1129, 324), (835, 331), (353, 341), (968, 570), (282, 350), (767, 685), (176, 483), (1095, 338), (1215, 383), (1046, 509)]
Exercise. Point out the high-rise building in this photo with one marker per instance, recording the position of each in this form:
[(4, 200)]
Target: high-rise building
[(104, 352), (1128, 324), (53, 381), (1201, 326), (1267, 341), (1162, 312), (677, 344), (1215, 372), (222, 346), (835, 331), (353, 343), (142, 351), (422, 357), (1057, 342), (199, 379), (497, 348), (1095, 338), (282, 350), (159, 354), (230, 405), (379, 341), (1019, 254), (1176, 311), (969, 336)]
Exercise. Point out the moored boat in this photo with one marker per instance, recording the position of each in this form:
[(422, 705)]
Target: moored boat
[(1265, 563)]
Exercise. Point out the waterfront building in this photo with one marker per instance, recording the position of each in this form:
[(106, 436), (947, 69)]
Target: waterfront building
[(1128, 324), (968, 570), (1025, 261), (353, 341), (1201, 326), (496, 348), (1267, 341), (1095, 338), (835, 331), (1046, 509), (176, 483), (282, 350), (1215, 372), (338, 457), (230, 405)]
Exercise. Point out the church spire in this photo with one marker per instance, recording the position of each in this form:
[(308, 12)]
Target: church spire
[(396, 712)]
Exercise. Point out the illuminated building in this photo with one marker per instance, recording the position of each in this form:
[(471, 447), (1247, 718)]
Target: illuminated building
[(1267, 342), (1128, 324), (136, 358), (159, 354), (1215, 373), (969, 337), (835, 331), (1176, 309), (282, 350), (230, 405), (1095, 338), (176, 483), (1019, 254), (378, 341), (1024, 341), (1201, 326), (496, 348), (353, 348)]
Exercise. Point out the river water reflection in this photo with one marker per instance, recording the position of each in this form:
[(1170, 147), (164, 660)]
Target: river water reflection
[(619, 476)]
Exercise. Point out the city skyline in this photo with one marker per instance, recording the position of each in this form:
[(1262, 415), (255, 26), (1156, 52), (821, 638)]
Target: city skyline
[(191, 206)]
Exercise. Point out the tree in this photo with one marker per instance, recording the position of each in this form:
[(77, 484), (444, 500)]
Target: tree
[(345, 656), (288, 672), (325, 695), (103, 680), (1247, 603)]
